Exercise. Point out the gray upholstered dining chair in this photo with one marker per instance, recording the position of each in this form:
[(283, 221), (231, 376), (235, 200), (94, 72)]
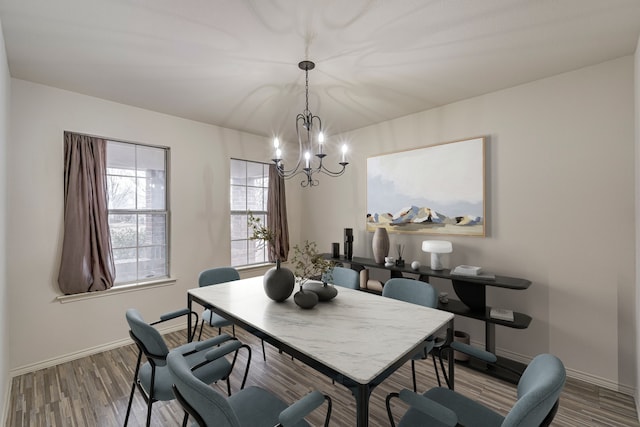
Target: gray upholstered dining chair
[(416, 292), (214, 276), (537, 402), (153, 378), (251, 407), (342, 276)]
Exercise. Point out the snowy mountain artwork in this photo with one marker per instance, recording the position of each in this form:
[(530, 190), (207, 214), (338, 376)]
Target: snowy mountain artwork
[(433, 190)]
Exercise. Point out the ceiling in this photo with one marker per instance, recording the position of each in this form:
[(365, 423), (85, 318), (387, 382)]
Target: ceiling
[(234, 63)]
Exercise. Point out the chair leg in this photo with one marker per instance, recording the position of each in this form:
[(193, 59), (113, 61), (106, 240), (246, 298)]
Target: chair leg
[(185, 419), (413, 375), (149, 412), (435, 367), (201, 327), (133, 388), (264, 355), (233, 328)]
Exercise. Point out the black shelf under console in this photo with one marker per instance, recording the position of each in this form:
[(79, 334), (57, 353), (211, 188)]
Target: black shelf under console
[(472, 304)]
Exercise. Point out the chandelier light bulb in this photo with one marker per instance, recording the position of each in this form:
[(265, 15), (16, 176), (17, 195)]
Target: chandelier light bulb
[(307, 157), (344, 152), (278, 153), (276, 142)]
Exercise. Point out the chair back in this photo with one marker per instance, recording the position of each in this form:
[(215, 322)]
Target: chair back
[(410, 290), (341, 276), (147, 337), (201, 401), (213, 276), (538, 392)]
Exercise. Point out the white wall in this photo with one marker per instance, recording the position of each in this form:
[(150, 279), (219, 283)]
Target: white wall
[(560, 209), (46, 331), (5, 82), (560, 185)]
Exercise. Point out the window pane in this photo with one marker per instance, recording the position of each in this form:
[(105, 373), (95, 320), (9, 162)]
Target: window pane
[(239, 253), (238, 172), (121, 191), (151, 174), (152, 229), (126, 264), (121, 158), (151, 190), (238, 198), (152, 262), (256, 199), (150, 158), (123, 231), (257, 252), (239, 227), (255, 174)]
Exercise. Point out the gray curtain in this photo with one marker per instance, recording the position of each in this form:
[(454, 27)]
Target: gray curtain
[(277, 216), (87, 259)]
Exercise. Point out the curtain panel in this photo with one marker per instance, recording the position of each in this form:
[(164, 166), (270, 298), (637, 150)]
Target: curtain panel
[(87, 259), (277, 216)]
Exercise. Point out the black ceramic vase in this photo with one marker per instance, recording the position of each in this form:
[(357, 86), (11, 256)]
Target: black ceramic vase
[(324, 291), (305, 299), (278, 283)]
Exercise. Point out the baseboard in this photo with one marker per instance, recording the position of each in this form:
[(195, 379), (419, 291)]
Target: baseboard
[(25, 369), (571, 373)]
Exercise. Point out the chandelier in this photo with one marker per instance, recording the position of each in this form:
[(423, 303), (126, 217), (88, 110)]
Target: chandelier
[(306, 130)]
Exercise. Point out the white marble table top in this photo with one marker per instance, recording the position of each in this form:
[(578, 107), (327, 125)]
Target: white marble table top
[(356, 334)]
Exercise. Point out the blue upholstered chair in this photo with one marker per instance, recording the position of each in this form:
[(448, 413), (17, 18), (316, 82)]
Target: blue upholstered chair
[(210, 277), (214, 276), (538, 398), (251, 407), (416, 292), (153, 378), (341, 276)]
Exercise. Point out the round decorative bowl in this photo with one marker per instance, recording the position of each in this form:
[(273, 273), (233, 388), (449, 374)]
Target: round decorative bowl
[(324, 291)]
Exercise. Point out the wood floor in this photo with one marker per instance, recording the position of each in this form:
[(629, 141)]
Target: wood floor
[(94, 391)]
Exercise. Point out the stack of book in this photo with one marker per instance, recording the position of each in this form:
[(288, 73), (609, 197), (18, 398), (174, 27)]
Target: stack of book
[(472, 271), (501, 314)]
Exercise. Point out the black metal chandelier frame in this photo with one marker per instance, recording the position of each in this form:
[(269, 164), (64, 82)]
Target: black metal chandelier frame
[(304, 129)]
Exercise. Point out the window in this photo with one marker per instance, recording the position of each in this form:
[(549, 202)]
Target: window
[(138, 212), (249, 191)]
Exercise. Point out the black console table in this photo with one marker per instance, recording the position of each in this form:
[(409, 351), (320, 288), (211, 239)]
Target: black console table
[(472, 304)]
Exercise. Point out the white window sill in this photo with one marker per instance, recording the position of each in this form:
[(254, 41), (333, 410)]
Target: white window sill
[(266, 265), (116, 290)]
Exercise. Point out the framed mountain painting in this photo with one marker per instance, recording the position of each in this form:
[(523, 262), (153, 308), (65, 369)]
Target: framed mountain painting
[(437, 189)]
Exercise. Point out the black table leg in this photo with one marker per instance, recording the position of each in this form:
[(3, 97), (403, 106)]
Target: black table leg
[(189, 304), (362, 393)]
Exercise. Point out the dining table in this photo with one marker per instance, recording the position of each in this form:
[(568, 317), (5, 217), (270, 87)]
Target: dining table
[(357, 339)]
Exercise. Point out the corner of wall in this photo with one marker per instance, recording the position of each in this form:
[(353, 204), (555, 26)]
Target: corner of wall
[(637, 217), (5, 84)]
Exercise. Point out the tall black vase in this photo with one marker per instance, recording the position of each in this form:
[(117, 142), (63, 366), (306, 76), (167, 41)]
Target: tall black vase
[(278, 283)]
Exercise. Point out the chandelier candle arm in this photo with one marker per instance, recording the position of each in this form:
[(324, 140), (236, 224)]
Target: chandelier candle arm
[(309, 122)]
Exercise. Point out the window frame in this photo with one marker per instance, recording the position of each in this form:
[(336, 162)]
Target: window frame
[(235, 212), (166, 212)]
